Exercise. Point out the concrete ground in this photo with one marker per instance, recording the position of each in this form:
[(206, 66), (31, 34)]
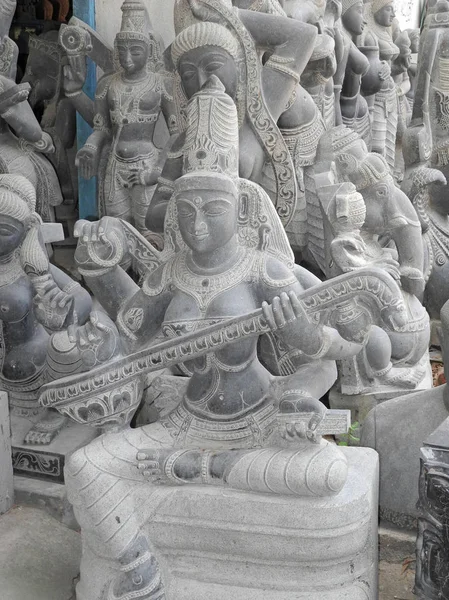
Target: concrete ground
[(39, 559)]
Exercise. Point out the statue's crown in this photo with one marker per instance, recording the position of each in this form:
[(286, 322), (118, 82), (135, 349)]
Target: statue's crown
[(47, 46), (372, 169), (136, 22), (212, 136)]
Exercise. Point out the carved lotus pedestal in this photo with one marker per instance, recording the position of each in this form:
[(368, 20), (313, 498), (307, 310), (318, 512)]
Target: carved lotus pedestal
[(216, 544)]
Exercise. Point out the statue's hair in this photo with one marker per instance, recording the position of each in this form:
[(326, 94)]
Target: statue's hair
[(204, 34), (17, 197), (347, 4), (379, 4)]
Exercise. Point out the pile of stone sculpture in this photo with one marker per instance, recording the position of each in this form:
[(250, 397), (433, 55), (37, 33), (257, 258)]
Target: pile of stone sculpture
[(272, 232)]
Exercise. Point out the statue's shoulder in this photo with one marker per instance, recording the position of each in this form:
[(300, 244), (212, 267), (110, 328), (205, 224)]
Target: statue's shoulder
[(104, 85), (274, 273)]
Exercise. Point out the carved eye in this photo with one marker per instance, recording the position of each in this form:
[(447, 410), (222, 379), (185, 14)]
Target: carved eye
[(188, 74), (216, 208), (213, 66), (185, 211), (6, 230)]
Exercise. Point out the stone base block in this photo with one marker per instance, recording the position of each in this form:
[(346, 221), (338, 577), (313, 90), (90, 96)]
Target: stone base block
[(46, 462), (217, 544), (361, 404)]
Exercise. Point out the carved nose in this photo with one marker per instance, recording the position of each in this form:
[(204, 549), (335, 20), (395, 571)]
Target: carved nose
[(200, 225), (202, 78)]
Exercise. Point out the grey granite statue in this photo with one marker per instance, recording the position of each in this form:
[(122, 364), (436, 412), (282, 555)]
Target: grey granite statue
[(425, 147), (36, 298), (127, 107), (56, 111), (377, 35), (397, 429), (390, 214), (274, 159), (226, 277)]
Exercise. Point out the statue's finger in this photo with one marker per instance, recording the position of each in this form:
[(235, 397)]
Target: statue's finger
[(278, 313), (297, 306), (268, 315), (287, 307), (78, 229)]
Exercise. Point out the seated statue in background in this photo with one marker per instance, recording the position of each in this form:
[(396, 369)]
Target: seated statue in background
[(36, 298), (226, 255)]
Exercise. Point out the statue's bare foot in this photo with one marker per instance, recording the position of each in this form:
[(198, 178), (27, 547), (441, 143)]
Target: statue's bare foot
[(400, 377), (46, 429), (169, 466), (139, 578)]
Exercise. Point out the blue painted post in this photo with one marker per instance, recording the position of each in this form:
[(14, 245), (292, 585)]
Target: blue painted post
[(87, 190)]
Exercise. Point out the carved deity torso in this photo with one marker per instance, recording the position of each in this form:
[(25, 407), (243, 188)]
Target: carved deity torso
[(231, 381), (134, 108)]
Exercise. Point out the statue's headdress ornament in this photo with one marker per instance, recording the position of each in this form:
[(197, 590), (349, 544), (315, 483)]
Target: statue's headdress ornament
[(212, 136), (369, 171), (204, 34), (136, 23), (17, 197), (47, 44)]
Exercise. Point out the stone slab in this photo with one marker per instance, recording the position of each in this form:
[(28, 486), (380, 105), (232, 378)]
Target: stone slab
[(46, 462), (361, 404), (39, 557), (217, 544), (6, 473), (397, 429)]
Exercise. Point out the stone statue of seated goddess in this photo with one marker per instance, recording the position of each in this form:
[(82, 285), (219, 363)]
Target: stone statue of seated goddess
[(226, 255)]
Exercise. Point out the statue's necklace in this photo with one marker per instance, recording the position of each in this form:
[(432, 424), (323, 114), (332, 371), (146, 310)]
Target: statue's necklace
[(205, 287)]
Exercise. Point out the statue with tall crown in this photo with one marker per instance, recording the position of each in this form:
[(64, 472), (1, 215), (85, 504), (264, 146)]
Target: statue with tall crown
[(377, 37), (128, 105), (225, 278), (278, 134)]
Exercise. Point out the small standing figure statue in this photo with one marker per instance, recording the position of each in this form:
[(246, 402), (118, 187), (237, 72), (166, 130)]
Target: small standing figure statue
[(128, 105), (378, 34)]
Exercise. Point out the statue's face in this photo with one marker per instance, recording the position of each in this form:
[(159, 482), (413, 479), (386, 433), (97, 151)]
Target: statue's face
[(353, 20), (385, 15), (197, 65), (379, 193), (42, 74), (414, 41), (133, 55), (12, 233), (405, 56), (207, 219)]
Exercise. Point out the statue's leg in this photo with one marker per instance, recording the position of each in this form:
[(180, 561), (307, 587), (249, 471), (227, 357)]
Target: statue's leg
[(117, 197), (141, 199), (305, 469), (102, 479)]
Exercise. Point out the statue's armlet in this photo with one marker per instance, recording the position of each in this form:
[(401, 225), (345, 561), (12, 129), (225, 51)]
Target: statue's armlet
[(142, 315), (102, 121)]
